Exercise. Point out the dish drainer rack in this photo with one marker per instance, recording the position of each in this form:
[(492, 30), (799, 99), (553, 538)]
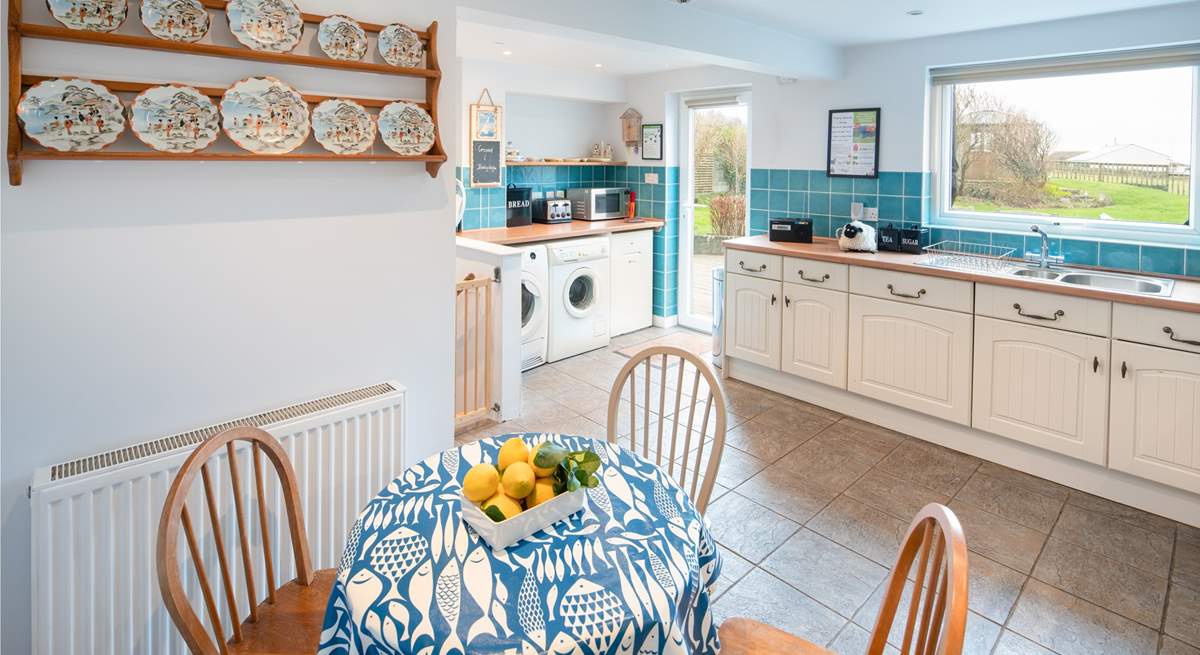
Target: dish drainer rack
[(961, 255)]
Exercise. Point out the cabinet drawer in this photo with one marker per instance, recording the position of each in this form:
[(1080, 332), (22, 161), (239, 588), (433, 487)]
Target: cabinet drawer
[(632, 243), (755, 264), (813, 273), (955, 295), (1044, 309), (1149, 325)]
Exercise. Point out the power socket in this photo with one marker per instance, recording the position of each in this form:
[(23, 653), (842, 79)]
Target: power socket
[(872, 214), (651, 178)]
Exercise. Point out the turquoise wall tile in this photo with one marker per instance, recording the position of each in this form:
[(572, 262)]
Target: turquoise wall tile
[(866, 185), (891, 184), (1120, 255), (913, 184), (778, 201), (841, 185), (798, 201), (818, 203), (821, 226), (759, 220), (913, 209), (971, 236), (818, 181), (867, 200), (1083, 253), (759, 178), (798, 180), (471, 220), (1169, 261), (1193, 263), (779, 179), (891, 208), (1014, 241), (759, 198), (942, 234), (839, 205), (1033, 244)]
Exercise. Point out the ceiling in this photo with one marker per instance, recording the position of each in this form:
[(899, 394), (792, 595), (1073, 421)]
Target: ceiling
[(849, 22)]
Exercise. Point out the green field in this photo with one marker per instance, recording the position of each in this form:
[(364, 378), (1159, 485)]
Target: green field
[(1129, 203)]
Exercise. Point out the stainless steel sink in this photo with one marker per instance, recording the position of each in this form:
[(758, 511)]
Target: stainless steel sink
[(1039, 273), (1123, 283)]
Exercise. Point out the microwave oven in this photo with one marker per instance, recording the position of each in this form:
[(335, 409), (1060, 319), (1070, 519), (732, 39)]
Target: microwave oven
[(598, 204)]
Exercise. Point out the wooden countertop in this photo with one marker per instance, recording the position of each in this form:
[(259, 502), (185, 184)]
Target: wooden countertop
[(553, 232), (1184, 297)]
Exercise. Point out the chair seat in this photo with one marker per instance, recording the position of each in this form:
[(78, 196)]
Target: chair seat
[(293, 623), (746, 637)]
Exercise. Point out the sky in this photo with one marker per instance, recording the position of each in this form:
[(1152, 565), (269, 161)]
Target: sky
[(1150, 108)]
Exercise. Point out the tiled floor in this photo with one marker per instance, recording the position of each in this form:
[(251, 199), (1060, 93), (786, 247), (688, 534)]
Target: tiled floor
[(810, 507)]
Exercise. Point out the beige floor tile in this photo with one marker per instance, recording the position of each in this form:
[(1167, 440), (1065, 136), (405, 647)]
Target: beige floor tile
[(870, 441), (853, 640), (1172, 646), (1186, 571), (1012, 643), (790, 415), (768, 443), (1123, 513), (981, 634), (828, 464), (900, 498), (1011, 501), (783, 491), (1115, 586), (865, 530), (997, 538), (764, 598), (993, 587), (747, 528), (538, 409), (582, 398), (577, 426), (1073, 626), (1183, 615), (1148, 551), (747, 400), (733, 568), (1030, 482), (736, 466), (833, 575), (940, 469)]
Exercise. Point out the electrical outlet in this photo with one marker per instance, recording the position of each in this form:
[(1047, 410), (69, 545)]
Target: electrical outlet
[(872, 213), (651, 178), (856, 211)]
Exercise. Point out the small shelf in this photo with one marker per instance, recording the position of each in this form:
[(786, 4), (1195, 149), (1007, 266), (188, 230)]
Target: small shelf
[(566, 163), (154, 155)]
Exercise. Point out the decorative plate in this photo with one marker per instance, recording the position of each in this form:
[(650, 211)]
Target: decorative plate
[(71, 115), (264, 116), (90, 15), (406, 128), (341, 37), (267, 25), (343, 127), (175, 20), (174, 119), (400, 46)]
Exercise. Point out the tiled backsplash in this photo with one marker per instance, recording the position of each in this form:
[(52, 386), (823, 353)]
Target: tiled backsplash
[(903, 198)]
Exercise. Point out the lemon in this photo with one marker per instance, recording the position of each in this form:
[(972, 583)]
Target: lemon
[(543, 490), (540, 472), (507, 506), (518, 480), (481, 482), (513, 450)]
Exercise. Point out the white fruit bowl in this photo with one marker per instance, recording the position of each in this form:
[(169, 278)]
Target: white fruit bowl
[(508, 532)]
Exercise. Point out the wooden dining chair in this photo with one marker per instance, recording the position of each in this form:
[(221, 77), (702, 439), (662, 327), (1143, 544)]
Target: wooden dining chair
[(936, 620), (704, 397), (290, 619)]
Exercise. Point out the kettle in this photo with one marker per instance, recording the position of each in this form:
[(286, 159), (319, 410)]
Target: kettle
[(857, 236)]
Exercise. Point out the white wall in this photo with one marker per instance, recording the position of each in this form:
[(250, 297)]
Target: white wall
[(554, 127), (141, 299)]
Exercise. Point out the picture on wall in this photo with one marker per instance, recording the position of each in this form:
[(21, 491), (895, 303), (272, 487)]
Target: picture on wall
[(485, 119), (853, 143), (652, 141), (486, 135)]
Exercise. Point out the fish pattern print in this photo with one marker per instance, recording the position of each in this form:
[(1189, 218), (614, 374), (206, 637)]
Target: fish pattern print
[(631, 574)]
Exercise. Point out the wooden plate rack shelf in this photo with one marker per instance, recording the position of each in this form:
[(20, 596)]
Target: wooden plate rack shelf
[(20, 148)]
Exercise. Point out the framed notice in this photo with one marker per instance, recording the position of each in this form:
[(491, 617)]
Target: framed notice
[(652, 141), (487, 142), (485, 163), (853, 143)]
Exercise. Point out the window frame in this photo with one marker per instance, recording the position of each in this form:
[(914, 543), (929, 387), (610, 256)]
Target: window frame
[(940, 143)]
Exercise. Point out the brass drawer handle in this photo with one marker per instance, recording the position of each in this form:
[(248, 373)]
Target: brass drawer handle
[(820, 280), (760, 269), (918, 295), (1171, 333), (1057, 315)]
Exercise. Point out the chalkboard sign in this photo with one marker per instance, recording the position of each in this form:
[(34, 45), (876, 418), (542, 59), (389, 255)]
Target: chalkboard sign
[(485, 163)]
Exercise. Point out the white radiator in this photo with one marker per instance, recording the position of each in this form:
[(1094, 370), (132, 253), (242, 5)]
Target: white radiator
[(95, 588)]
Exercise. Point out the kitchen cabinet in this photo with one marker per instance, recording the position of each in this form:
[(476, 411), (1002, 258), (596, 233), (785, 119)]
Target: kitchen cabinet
[(632, 282), (1042, 386), (814, 334), (753, 319), (912, 356), (1155, 425)]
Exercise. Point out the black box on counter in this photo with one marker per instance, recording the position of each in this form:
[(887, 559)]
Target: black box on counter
[(518, 209), (791, 230), (889, 238), (914, 240)]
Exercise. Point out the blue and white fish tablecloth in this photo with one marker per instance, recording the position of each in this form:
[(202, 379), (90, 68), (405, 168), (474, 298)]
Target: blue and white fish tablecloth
[(631, 573)]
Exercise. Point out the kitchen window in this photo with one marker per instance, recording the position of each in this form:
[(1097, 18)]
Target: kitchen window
[(1101, 146)]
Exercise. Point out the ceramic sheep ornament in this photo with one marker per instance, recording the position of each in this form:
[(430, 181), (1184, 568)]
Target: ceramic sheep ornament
[(857, 236)]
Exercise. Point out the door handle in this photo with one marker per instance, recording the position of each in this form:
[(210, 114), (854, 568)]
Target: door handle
[(1095, 364), (787, 302), (1057, 315), (1124, 369), (760, 269), (917, 296), (820, 280), (1171, 333), (773, 299)]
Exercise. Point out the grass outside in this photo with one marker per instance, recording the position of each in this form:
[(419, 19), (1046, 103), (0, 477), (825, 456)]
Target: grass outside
[(701, 215), (1129, 203)]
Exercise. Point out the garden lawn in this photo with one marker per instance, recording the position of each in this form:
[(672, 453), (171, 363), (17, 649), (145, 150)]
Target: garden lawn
[(701, 220), (1129, 203)]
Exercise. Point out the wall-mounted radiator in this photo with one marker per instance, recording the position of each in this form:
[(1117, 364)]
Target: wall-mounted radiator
[(473, 350), (95, 588)]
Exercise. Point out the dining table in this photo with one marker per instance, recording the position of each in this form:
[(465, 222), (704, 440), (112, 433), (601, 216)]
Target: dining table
[(633, 572)]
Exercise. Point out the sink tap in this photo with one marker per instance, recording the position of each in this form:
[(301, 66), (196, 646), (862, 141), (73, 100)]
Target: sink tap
[(1044, 259)]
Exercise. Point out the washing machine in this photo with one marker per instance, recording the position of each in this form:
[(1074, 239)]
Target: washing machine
[(579, 296), (535, 301)]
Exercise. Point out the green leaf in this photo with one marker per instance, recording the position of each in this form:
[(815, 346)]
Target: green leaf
[(593, 482), (494, 513), (589, 461), (549, 455), (572, 483)]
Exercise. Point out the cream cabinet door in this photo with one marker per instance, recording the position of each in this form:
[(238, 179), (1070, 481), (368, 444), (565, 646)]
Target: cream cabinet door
[(1044, 387), (1155, 424), (814, 334), (752, 319), (915, 357)]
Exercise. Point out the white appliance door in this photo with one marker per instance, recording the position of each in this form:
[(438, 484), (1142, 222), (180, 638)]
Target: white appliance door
[(533, 307), (581, 292)]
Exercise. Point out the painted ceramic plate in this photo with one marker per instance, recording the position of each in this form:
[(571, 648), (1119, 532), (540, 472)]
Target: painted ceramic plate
[(341, 37), (71, 115), (406, 128), (91, 15), (400, 46), (175, 20), (174, 119), (343, 127), (267, 25), (264, 116)]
